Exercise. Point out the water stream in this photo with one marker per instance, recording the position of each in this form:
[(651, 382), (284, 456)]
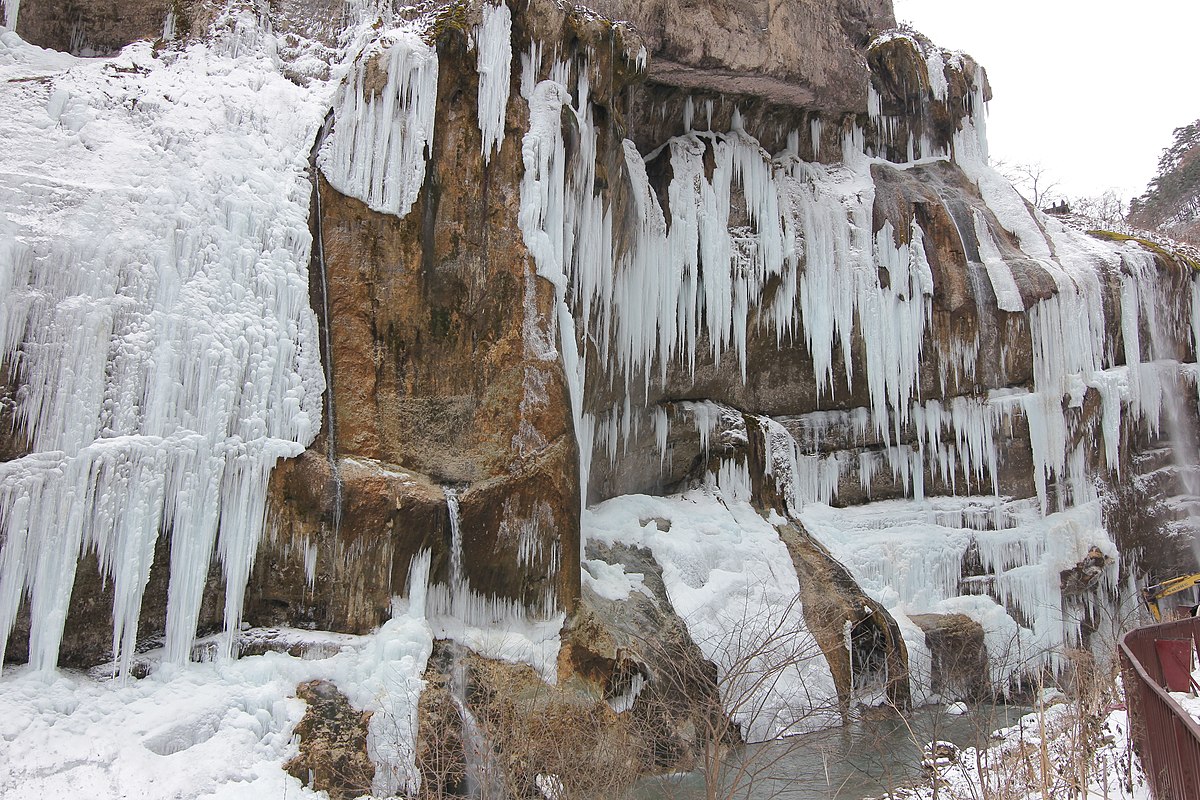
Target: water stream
[(456, 544), (864, 758), (480, 781)]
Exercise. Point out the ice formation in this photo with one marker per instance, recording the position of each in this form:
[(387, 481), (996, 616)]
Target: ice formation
[(741, 219), (217, 729), (494, 42), (730, 578), (170, 362), (169, 365), (381, 137)]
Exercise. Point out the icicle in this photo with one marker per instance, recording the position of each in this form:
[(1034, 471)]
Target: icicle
[(494, 64), (662, 426), (167, 366), (936, 68), (874, 104), (11, 8), (380, 141), (1008, 296)]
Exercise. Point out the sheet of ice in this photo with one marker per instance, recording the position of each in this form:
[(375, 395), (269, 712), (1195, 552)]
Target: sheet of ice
[(1008, 296), (936, 67), (563, 221), (909, 557), (730, 578), (153, 289)]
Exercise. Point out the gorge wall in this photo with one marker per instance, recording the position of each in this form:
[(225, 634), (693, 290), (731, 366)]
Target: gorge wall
[(514, 308)]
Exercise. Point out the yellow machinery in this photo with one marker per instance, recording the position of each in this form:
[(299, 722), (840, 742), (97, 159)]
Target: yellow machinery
[(1152, 594)]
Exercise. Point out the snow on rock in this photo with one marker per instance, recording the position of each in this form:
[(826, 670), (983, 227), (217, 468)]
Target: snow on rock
[(219, 729), (611, 581), (730, 579), (909, 557), (1050, 741)]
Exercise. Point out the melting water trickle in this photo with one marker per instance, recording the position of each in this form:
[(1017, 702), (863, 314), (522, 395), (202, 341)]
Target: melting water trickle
[(481, 778), (327, 340), (1180, 422)]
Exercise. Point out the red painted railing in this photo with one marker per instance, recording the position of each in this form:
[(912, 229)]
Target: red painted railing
[(1166, 737)]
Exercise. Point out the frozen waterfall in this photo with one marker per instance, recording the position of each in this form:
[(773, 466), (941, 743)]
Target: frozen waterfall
[(154, 308)]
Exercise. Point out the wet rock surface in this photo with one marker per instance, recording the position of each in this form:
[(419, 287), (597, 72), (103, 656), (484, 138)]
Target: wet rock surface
[(960, 657)]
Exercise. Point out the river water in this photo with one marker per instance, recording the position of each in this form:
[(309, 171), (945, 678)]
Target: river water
[(864, 758)]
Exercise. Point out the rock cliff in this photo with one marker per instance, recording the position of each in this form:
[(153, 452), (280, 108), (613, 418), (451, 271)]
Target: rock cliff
[(513, 311)]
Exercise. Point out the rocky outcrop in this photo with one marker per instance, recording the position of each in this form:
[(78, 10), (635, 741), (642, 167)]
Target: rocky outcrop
[(835, 605), (333, 744), (11, 444), (493, 727), (92, 27), (636, 653), (804, 55), (960, 658)]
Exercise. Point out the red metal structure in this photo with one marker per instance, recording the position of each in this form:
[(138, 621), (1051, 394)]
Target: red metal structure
[(1166, 737)]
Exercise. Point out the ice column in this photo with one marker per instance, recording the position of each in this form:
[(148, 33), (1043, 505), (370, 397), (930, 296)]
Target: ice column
[(494, 64)]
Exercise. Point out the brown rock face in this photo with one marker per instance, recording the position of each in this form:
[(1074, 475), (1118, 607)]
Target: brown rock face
[(831, 598), (314, 572), (960, 658), (801, 54), (12, 443), (608, 645), (333, 743), (91, 27), (433, 377)]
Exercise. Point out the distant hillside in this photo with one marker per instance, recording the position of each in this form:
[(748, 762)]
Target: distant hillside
[(1171, 203)]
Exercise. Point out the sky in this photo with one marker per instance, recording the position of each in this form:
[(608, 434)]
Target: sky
[(1090, 89)]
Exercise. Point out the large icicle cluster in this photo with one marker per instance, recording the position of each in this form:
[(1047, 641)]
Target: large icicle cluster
[(494, 42), (381, 136), (154, 306), (757, 241)]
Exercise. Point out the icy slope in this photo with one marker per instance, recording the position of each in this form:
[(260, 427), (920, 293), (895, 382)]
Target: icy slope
[(212, 730)]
